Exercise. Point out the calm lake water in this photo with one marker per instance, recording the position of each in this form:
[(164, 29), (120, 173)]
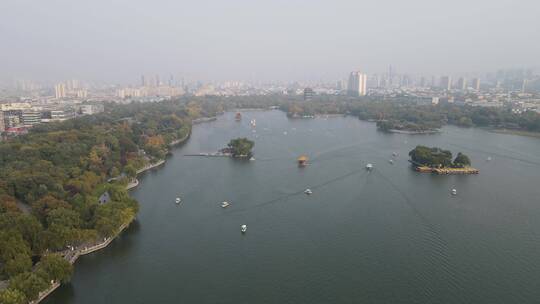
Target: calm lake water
[(387, 236)]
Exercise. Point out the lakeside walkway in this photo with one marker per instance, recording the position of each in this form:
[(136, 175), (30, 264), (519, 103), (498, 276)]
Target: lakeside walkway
[(443, 171), (75, 253), (72, 255)]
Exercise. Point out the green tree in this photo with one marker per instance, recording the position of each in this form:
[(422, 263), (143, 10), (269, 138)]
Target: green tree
[(462, 160), (29, 283), (241, 147), (130, 171), (18, 264), (12, 296), (24, 224), (432, 157), (64, 217), (56, 267), (465, 122), (114, 172), (8, 204), (42, 207), (15, 254)]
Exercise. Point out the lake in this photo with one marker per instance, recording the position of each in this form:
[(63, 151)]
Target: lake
[(391, 235)]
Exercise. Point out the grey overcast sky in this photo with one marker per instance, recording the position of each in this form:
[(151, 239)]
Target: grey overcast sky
[(118, 40)]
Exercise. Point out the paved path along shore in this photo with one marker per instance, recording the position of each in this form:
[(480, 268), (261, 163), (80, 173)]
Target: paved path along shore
[(73, 255)]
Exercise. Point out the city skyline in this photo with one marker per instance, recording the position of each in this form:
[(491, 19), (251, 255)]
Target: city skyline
[(271, 40)]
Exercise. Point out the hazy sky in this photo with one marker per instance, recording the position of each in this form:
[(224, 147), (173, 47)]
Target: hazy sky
[(118, 40)]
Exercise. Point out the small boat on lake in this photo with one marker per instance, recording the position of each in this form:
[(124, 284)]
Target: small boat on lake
[(238, 116), (369, 167), (178, 200), (489, 158), (243, 228), (454, 192), (253, 123), (225, 204), (302, 160), (252, 158), (394, 154), (391, 161), (308, 191)]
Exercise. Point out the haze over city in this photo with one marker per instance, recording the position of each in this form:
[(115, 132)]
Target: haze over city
[(117, 41)]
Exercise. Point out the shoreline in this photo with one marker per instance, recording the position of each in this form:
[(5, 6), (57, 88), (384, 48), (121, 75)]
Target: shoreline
[(76, 255), (443, 171), (43, 294), (414, 132), (515, 132), (204, 119)]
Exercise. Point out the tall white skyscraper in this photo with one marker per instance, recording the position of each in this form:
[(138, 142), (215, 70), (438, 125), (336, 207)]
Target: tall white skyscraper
[(357, 84), (2, 127), (60, 91)]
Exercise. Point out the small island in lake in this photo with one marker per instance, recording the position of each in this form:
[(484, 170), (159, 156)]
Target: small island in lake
[(239, 148), (407, 127), (439, 161)]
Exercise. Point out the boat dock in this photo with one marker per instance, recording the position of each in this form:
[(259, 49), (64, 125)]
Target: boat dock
[(465, 170), (443, 171), (217, 154)]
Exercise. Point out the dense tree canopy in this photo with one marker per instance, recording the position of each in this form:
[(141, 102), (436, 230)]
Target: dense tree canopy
[(12, 296), (462, 160), (241, 147), (401, 109), (437, 157), (51, 179)]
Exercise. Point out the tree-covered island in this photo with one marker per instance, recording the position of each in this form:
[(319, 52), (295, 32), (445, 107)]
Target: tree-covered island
[(402, 126), (240, 148), (437, 160)]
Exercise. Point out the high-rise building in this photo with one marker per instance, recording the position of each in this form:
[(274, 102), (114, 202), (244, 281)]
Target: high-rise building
[(31, 117), (461, 84), (2, 125), (405, 81), (357, 84), (308, 93), (81, 93), (475, 84), (422, 81), (72, 84), (524, 86), (339, 86), (60, 91), (446, 83), (143, 81)]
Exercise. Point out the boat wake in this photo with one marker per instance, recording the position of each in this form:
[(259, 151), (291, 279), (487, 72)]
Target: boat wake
[(436, 245)]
